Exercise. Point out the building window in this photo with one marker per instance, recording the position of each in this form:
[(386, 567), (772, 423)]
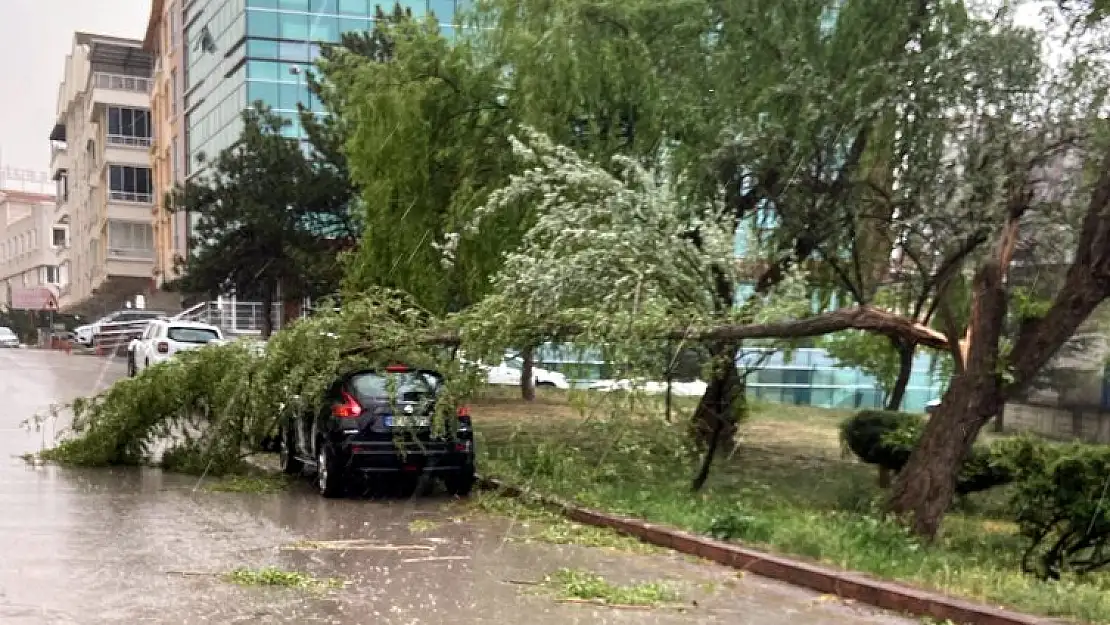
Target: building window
[(294, 26), (59, 236), (130, 184), (173, 26), (175, 160), (128, 126), (173, 91), (128, 239), (61, 189), (356, 7), (264, 24), (50, 275)]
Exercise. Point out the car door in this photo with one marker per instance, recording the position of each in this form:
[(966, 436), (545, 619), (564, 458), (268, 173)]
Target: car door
[(508, 372), (139, 355)]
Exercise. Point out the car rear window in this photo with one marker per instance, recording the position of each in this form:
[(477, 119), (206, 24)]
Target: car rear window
[(377, 385), (5, 331), (192, 335)]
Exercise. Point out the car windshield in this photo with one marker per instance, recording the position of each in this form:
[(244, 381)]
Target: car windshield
[(410, 385), (192, 335), (6, 332)]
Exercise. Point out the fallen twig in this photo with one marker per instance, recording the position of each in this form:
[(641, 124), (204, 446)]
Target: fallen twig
[(351, 545), (435, 559)]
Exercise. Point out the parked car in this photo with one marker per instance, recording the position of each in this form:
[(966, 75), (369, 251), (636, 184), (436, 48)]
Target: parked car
[(86, 335), (509, 371), (8, 338), (362, 430), (163, 338)]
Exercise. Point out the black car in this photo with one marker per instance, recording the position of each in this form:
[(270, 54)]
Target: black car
[(375, 422)]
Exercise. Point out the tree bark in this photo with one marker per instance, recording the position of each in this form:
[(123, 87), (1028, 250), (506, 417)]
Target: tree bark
[(527, 374), (715, 416), (268, 291), (924, 488), (720, 418), (905, 370)]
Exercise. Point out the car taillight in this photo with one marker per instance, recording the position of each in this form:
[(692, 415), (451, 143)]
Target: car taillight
[(349, 409), (464, 418), (163, 347), (397, 369)]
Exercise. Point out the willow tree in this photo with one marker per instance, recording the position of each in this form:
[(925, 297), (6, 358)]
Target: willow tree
[(425, 135), (1037, 167)]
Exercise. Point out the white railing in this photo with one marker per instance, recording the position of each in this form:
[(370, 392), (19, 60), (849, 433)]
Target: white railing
[(234, 317), (130, 252), (131, 142), (120, 82), (128, 196)]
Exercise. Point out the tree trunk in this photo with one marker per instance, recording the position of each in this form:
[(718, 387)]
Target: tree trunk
[(716, 414), (527, 374), (905, 370), (268, 290), (670, 382), (924, 488), (720, 427)]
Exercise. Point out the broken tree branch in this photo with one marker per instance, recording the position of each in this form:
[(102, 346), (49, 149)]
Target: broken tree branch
[(866, 318)]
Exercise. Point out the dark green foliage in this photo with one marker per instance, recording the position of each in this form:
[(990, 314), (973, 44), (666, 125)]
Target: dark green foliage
[(886, 439), (268, 216), (1060, 505), (878, 437)]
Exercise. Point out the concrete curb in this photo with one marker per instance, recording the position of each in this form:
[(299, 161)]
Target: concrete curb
[(855, 586)]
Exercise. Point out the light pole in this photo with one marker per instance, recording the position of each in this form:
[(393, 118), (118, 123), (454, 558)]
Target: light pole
[(296, 71)]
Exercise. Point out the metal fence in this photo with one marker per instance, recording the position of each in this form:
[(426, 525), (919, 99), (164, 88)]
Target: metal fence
[(113, 338), (234, 317)]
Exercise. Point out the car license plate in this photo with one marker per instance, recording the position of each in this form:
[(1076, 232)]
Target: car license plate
[(407, 421)]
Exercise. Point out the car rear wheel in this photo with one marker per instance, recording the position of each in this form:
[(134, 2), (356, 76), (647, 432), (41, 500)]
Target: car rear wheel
[(461, 482), (287, 458), (329, 475)]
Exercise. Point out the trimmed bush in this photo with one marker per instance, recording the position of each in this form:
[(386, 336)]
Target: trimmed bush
[(886, 439)]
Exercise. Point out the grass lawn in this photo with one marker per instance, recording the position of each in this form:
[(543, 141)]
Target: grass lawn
[(786, 488)]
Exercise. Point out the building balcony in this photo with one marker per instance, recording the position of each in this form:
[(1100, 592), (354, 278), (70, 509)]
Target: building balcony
[(127, 206), (117, 90), (128, 142), (59, 160), (125, 264)]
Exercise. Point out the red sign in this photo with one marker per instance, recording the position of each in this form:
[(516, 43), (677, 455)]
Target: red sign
[(34, 298)]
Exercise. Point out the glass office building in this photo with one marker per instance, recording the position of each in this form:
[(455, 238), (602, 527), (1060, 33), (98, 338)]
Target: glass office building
[(240, 51)]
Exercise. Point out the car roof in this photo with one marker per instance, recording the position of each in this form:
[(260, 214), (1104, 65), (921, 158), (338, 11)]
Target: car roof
[(188, 324)]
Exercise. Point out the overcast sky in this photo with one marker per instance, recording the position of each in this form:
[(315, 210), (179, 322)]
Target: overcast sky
[(35, 36)]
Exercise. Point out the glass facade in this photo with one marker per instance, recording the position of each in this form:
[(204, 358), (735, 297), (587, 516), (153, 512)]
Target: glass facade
[(241, 51)]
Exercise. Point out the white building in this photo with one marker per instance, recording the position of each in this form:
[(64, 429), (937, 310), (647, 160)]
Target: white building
[(100, 159), (31, 245)]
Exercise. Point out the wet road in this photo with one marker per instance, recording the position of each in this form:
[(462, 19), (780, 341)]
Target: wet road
[(88, 547)]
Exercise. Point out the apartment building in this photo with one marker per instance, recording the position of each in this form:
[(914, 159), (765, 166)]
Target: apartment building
[(167, 154), (32, 245), (100, 157)]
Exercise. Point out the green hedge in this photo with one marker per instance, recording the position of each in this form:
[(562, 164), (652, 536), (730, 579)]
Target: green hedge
[(886, 439)]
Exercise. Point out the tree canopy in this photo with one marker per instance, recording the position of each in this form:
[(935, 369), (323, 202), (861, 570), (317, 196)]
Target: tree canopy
[(267, 217)]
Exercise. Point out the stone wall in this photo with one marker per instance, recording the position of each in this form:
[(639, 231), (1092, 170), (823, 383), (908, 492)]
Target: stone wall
[(1088, 424)]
